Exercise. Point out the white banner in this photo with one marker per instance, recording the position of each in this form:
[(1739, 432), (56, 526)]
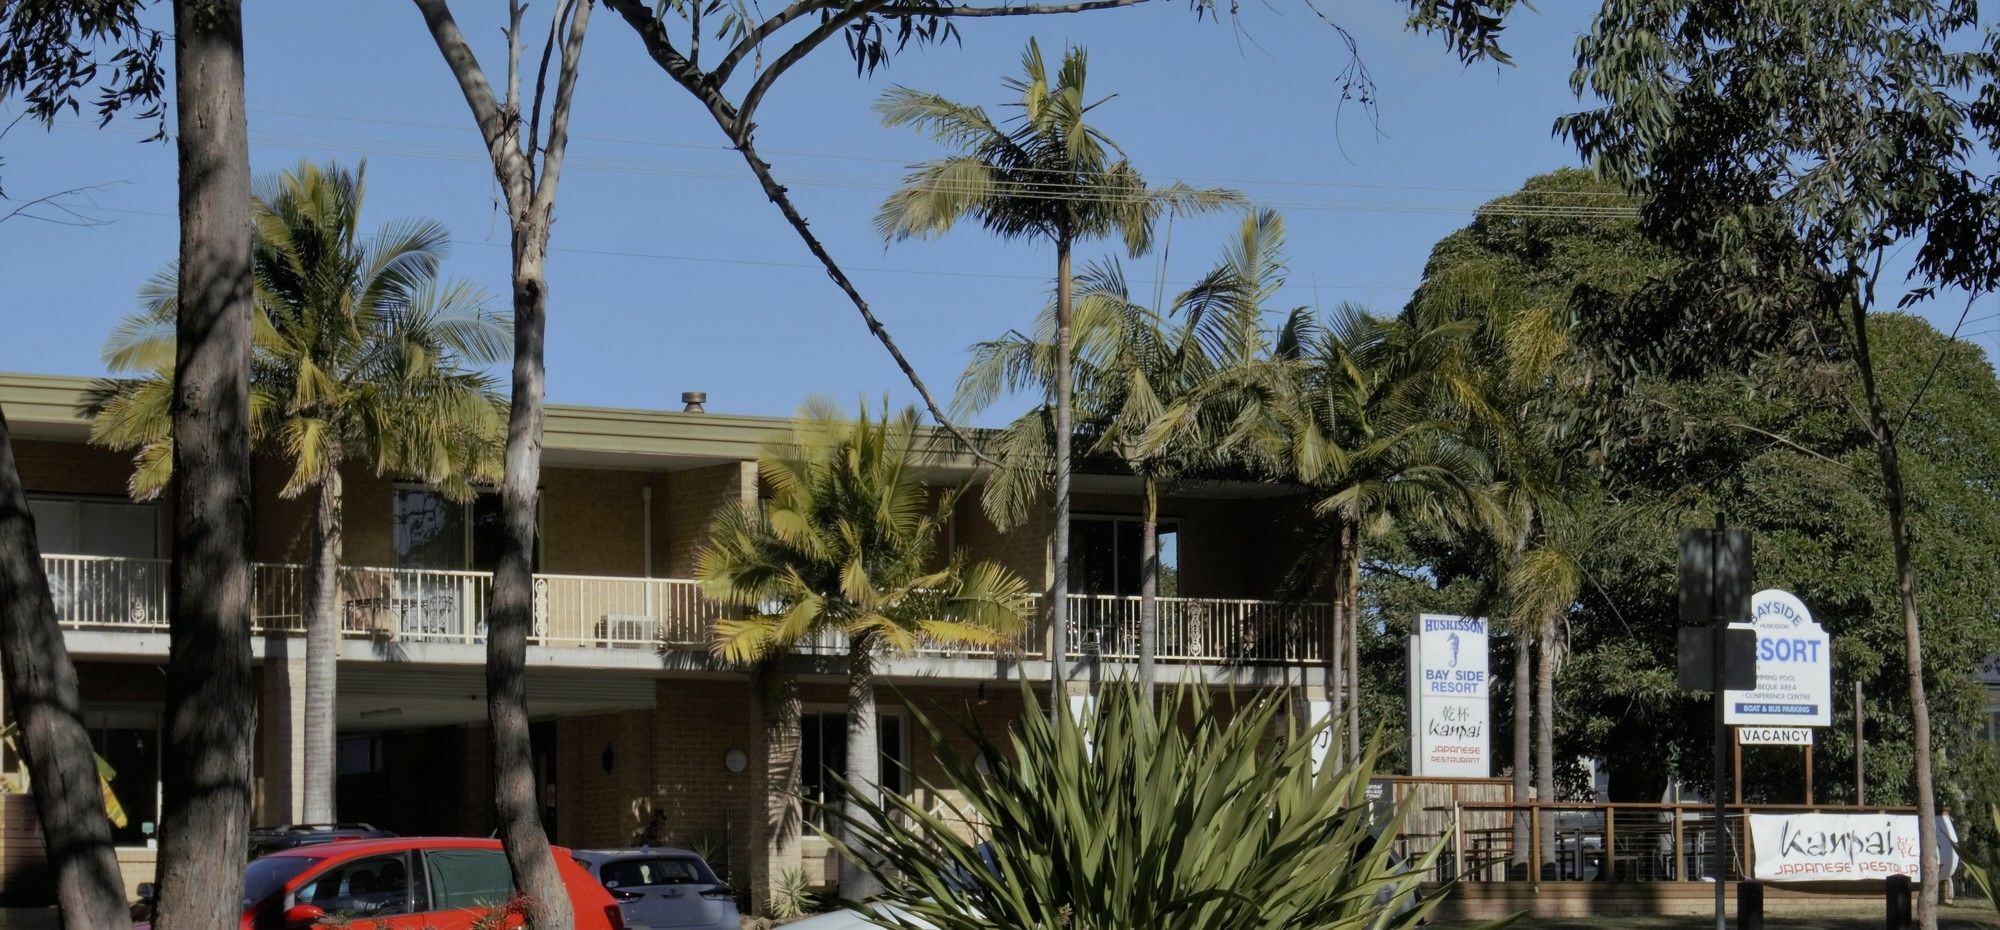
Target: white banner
[(1320, 713), (1794, 668), (1450, 734), (1834, 847), (1774, 736)]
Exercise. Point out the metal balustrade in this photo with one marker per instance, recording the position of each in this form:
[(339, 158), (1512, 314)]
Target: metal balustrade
[(425, 606)]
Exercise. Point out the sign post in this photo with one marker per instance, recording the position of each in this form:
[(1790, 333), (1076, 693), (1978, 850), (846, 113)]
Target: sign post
[(1714, 590), (1450, 734)]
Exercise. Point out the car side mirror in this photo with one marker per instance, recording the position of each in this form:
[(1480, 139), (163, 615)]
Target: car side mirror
[(303, 915), (148, 891)]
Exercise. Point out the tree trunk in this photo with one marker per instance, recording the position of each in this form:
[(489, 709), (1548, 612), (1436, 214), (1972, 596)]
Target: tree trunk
[(864, 764), (322, 648), (1906, 595), (777, 776), (1353, 612), (510, 619), (1059, 528), (1545, 734), (1149, 589), (1524, 663), (41, 687), (210, 709), (1336, 647)]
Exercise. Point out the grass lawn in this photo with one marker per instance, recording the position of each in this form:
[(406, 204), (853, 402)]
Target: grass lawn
[(1963, 917)]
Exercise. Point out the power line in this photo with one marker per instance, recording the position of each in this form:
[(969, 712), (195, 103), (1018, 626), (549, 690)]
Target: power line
[(1072, 191), (810, 266)]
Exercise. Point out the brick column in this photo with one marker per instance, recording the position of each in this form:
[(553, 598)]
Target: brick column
[(282, 738)]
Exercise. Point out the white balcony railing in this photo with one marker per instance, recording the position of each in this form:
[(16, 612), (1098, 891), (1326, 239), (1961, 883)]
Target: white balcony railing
[(408, 605), (1198, 629)]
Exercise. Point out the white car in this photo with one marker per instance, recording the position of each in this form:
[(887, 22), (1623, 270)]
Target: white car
[(842, 919)]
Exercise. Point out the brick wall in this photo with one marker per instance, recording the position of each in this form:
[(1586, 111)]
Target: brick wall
[(693, 497)]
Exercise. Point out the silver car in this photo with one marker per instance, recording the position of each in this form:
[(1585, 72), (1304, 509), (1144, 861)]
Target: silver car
[(662, 889)]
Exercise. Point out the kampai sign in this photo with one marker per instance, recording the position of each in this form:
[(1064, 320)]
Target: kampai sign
[(1834, 847), (1794, 668), (1450, 734)]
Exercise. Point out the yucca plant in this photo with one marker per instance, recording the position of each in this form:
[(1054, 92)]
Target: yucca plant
[(1181, 816), (1985, 871)]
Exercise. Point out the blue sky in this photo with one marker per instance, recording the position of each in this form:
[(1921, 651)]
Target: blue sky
[(672, 273)]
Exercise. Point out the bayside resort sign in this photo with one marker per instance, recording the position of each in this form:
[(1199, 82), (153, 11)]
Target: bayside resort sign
[(1794, 668), (1450, 731)]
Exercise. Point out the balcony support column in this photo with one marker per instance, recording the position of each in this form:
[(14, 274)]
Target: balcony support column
[(281, 734)]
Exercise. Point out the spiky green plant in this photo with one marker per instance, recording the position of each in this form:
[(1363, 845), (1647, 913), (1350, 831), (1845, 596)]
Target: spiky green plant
[(1181, 816)]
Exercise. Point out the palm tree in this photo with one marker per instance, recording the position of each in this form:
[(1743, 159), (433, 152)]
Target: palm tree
[(1375, 415), (1137, 373), (847, 546), (362, 354), (1045, 174)]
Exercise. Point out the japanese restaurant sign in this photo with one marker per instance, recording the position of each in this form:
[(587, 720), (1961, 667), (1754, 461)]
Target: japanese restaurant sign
[(1450, 731), (1834, 847)]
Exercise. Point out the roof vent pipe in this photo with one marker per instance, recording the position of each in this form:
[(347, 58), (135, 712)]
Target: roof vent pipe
[(693, 401)]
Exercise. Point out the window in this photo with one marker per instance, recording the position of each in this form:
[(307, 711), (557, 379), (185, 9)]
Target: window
[(106, 526), (642, 873), (265, 876), (823, 759), (129, 741), (378, 886), (1104, 556), (468, 878), (436, 533), (360, 755)]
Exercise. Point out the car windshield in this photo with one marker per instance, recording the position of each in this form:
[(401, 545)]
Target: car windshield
[(639, 873), (265, 876)]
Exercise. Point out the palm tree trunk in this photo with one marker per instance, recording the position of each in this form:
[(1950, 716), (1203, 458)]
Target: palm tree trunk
[(1906, 595), (210, 708), (1149, 589), (1353, 612), (777, 831), (322, 622), (864, 763), (1059, 526), (1545, 733), (510, 619), (1336, 647), (41, 689), (1524, 663)]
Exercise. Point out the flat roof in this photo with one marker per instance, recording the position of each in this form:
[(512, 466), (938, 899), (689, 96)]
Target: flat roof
[(49, 407)]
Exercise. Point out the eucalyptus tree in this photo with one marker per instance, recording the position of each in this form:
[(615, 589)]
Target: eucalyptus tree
[(847, 546), (527, 154), (1792, 149), (364, 355), (1043, 173), (51, 54)]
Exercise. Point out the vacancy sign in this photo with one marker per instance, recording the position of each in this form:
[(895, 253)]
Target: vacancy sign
[(1449, 720), (1794, 668), (1774, 736)]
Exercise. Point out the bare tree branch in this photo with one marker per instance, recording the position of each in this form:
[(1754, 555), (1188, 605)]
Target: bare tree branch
[(1026, 9), (826, 30), (542, 76), (510, 167), (71, 216), (515, 10), (552, 158)]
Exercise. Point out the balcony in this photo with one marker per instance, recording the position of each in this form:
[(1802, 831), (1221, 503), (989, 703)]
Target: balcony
[(405, 605)]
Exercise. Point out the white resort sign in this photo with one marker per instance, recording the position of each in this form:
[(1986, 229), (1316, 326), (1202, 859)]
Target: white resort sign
[(1794, 668), (1450, 732)]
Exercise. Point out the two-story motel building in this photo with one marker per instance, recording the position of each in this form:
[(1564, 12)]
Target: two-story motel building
[(637, 726)]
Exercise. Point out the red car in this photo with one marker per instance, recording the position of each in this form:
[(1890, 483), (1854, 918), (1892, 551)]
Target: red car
[(402, 884)]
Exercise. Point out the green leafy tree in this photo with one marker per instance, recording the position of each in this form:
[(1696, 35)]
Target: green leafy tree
[(1044, 173), (1182, 816), (1794, 148), (847, 547), (363, 355)]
